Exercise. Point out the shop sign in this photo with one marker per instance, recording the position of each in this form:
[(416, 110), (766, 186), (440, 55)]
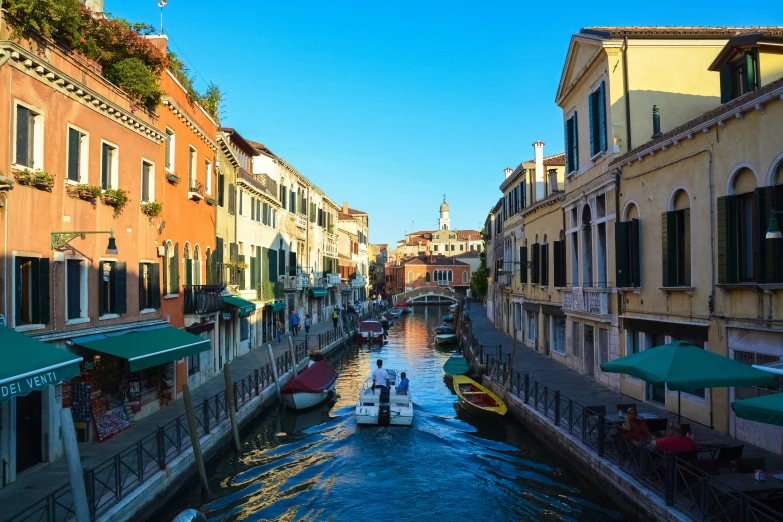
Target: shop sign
[(134, 393), (226, 316), (25, 385)]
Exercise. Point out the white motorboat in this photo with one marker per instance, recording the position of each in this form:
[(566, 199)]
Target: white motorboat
[(370, 332), (311, 387), (385, 408), (446, 338)]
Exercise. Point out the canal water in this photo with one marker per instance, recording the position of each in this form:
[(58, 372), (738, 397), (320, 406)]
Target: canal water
[(318, 465)]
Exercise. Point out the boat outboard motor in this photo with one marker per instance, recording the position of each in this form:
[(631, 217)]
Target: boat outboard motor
[(190, 515), (384, 408)]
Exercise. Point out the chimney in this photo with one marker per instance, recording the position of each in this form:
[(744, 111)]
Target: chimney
[(656, 122), (540, 173), (96, 6), (161, 41), (508, 171), (345, 207)]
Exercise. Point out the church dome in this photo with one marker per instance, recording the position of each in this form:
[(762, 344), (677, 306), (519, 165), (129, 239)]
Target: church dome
[(444, 207)]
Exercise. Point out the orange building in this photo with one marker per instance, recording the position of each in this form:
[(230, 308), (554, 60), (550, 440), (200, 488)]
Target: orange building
[(420, 271)]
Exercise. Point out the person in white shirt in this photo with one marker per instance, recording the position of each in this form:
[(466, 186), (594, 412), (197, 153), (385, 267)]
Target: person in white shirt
[(380, 379)]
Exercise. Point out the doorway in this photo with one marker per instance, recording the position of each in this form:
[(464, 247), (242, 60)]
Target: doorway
[(28, 431), (589, 363)]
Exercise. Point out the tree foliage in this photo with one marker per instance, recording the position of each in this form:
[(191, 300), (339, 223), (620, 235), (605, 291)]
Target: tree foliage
[(479, 283), (137, 79)]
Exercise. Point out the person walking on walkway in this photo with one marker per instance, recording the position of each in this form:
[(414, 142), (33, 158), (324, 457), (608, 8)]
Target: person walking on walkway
[(308, 323), (335, 316), (294, 323), (280, 327)]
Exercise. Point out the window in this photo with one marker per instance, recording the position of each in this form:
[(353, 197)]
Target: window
[(517, 316), (78, 155), (149, 286), (111, 288), (750, 358), (172, 268), (745, 204), (464, 277), (170, 142), (31, 291), (576, 340), (631, 342), (188, 264), (572, 144), (258, 210), (194, 363), (244, 329), (535, 264), (461, 247), (221, 189), (410, 276), (627, 250), (75, 289), (147, 181), (109, 167), (232, 199), (427, 276), (241, 198), (208, 176), (544, 263), (597, 106), (676, 242), (29, 138), (452, 248), (435, 248), (744, 253), (558, 335), (739, 77), (532, 326), (192, 168), (603, 344)]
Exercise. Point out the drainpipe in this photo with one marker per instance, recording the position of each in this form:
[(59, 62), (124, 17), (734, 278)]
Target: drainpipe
[(627, 94), (617, 213), (5, 233)]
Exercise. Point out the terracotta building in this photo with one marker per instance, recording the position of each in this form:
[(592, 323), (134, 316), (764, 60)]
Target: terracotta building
[(423, 271)]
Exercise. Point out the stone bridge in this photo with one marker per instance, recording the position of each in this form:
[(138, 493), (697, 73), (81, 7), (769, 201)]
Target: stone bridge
[(424, 294)]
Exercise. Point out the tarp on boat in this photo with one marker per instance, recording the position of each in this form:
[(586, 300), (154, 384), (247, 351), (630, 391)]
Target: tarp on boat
[(456, 365), (371, 326), (317, 378)]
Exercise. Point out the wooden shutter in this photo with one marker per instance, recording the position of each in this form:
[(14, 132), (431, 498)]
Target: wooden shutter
[(765, 265), (281, 262), (175, 270), (750, 71), (259, 266), (272, 257), (188, 272), (142, 290), (726, 84), (42, 292), (523, 265), (634, 263), (524, 195), (567, 142), (264, 267), (292, 203), (154, 285), (101, 307), (292, 263), (545, 265), (557, 254), (73, 154), (253, 280), (534, 272), (23, 145), (575, 143), (221, 189), (686, 255), (105, 166), (602, 135), (120, 284), (727, 240), (592, 123), (669, 248), (621, 251)]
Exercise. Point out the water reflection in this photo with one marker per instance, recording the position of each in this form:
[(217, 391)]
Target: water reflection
[(318, 465)]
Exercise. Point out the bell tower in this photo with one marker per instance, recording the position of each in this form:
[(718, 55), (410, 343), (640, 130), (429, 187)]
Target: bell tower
[(444, 223)]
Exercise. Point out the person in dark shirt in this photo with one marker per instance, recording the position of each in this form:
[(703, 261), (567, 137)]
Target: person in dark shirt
[(402, 386)]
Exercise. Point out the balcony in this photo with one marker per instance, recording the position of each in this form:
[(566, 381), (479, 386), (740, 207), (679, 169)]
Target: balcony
[(195, 190), (443, 283), (260, 182), (504, 279), (332, 279), (303, 281), (201, 299), (587, 300), (289, 283), (301, 221)]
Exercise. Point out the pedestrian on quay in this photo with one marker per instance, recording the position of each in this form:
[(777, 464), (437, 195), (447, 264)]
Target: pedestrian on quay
[(335, 316), (308, 323), (280, 328), (294, 323)]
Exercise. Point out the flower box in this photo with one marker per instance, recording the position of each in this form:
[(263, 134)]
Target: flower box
[(116, 198), (38, 179), (84, 191), (172, 178), (211, 201), (152, 208)]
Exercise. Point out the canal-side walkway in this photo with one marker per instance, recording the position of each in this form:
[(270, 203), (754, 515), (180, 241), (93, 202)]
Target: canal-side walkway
[(39, 483)]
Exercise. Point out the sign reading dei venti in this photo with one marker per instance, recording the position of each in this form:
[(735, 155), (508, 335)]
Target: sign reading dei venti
[(25, 385)]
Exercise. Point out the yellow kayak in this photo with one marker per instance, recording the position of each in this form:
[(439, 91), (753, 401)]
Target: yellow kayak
[(475, 398)]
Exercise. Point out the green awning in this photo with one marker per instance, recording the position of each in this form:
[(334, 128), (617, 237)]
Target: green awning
[(346, 291), (150, 347), (318, 292), (277, 306), (767, 409), (27, 364), (244, 306)]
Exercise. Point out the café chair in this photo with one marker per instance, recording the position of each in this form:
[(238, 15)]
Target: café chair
[(748, 465), (657, 426), (728, 455), (686, 429)]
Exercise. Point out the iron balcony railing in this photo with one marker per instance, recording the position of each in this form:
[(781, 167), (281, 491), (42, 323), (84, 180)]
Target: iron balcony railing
[(202, 299)]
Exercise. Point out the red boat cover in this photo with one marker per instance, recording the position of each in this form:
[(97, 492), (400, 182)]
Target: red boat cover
[(401, 304), (371, 326), (317, 378)]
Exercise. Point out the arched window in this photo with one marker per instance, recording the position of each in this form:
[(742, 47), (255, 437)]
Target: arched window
[(628, 253), (188, 263), (172, 268), (676, 235), (208, 265), (410, 276), (427, 276), (587, 246), (740, 234), (451, 276), (196, 265), (464, 277)]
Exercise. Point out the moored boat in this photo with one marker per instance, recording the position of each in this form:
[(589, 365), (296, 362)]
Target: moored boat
[(403, 307), (448, 318), (444, 329), (446, 338), (478, 400), (384, 407), (370, 332), (453, 308), (311, 387), (455, 365)]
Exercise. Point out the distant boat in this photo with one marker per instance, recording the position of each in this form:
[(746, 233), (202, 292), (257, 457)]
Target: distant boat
[(370, 332), (444, 329), (453, 308), (446, 338), (478, 400), (311, 387), (403, 307), (448, 318), (455, 365)]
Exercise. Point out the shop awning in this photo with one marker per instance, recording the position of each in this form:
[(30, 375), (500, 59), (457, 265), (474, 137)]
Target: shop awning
[(318, 292), (244, 306), (346, 291), (149, 347), (27, 364), (277, 306)]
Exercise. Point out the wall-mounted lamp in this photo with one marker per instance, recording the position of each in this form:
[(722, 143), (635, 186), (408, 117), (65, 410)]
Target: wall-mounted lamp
[(62, 239), (774, 231)]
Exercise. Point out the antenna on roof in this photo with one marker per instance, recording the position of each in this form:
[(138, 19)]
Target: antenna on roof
[(161, 4)]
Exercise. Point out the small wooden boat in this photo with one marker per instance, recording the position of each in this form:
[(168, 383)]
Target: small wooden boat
[(478, 400), (444, 329), (455, 365), (311, 387), (448, 318), (448, 338), (370, 332)]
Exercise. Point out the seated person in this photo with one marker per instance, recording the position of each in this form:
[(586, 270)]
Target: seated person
[(402, 386), (676, 442), (634, 428)]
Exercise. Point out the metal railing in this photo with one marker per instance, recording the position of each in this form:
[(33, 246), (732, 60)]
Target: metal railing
[(112, 480), (678, 481), (202, 299)]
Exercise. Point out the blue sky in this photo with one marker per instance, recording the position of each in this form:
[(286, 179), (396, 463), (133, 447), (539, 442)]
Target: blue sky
[(389, 105)]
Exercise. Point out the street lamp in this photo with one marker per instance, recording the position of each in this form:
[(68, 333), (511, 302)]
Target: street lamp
[(59, 240), (774, 231)]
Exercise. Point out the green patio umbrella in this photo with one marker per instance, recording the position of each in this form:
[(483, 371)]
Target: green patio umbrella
[(684, 367), (767, 409)]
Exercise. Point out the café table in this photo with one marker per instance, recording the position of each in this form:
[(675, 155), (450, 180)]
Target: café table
[(747, 483)]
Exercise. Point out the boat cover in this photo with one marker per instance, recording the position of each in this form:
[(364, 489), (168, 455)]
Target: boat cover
[(401, 304), (371, 326), (456, 366), (317, 378)]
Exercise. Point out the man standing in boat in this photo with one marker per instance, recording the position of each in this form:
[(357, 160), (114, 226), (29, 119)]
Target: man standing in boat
[(380, 379)]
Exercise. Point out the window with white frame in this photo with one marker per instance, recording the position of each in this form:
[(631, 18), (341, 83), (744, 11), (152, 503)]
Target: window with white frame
[(109, 166), (208, 176), (532, 326), (75, 289), (28, 142), (147, 181), (78, 155), (192, 167), (170, 145)]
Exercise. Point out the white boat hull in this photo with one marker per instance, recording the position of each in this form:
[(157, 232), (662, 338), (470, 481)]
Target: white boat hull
[(303, 400), (368, 405)]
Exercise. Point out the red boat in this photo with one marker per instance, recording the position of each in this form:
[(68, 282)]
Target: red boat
[(403, 307), (370, 332), (311, 387)]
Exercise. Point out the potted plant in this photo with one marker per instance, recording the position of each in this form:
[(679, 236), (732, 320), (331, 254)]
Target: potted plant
[(84, 191), (152, 208), (116, 198), (35, 178), (241, 265), (172, 178)]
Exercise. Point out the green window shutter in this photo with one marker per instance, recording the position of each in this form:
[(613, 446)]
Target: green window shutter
[(727, 240), (534, 272), (73, 154), (23, 146), (272, 262), (175, 270), (253, 282), (602, 135), (142, 293), (726, 89), (636, 252), (765, 265), (665, 251), (567, 142), (104, 166), (523, 265), (621, 249), (155, 285), (101, 308), (259, 267), (750, 71), (264, 267), (592, 123), (120, 283), (545, 265), (41, 292), (188, 271), (575, 143), (686, 255), (557, 258)]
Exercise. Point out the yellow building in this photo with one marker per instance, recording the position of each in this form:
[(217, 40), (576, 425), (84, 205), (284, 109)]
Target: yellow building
[(613, 80)]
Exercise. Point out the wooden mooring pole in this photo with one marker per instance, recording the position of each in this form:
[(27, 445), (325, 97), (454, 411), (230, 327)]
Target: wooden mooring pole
[(230, 406), (194, 438)]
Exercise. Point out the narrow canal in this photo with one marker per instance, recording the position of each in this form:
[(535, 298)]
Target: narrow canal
[(319, 465)]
